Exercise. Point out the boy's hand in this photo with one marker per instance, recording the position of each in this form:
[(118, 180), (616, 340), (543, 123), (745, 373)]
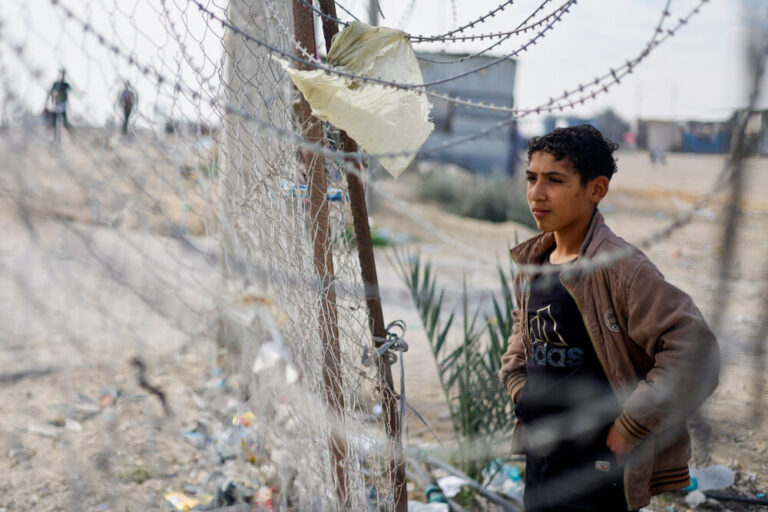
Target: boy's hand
[(619, 445)]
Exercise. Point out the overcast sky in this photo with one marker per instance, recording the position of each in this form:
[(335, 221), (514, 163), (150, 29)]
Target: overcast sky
[(697, 74)]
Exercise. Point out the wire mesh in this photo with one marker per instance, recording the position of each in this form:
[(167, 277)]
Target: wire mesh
[(164, 280)]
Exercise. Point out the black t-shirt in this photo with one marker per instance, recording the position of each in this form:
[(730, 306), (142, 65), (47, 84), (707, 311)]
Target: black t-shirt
[(567, 397), (60, 90)]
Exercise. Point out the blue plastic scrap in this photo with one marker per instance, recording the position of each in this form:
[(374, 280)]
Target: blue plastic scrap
[(295, 190)]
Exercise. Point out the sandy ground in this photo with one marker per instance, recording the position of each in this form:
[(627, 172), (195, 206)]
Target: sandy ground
[(77, 431)]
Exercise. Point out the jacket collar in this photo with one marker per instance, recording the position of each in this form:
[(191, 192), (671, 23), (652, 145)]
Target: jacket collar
[(533, 250)]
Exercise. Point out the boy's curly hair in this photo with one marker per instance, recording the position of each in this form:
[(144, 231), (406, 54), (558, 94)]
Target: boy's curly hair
[(587, 149)]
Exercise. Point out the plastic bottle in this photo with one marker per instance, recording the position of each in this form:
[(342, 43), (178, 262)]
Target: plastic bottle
[(712, 477)]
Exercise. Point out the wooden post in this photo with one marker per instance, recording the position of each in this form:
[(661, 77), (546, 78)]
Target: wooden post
[(372, 296), (312, 131)]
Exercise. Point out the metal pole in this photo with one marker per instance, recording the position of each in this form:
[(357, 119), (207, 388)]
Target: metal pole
[(372, 297), (304, 29), (373, 12)]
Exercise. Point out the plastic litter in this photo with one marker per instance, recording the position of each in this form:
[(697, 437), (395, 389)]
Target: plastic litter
[(181, 501), (451, 485), (506, 480), (245, 419), (380, 119), (695, 498), (415, 506), (197, 436), (294, 190), (712, 477), (271, 356), (262, 499), (233, 492), (435, 495)]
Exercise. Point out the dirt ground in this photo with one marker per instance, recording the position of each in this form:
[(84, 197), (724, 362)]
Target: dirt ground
[(643, 200), (78, 432)]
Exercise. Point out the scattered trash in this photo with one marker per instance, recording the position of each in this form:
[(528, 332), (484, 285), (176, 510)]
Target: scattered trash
[(233, 492), (197, 436), (196, 439), (72, 425), (295, 190), (506, 503), (695, 498), (108, 397), (760, 495), (269, 356), (415, 506), (435, 495), (85, 409), (181, 501), (712, 478), (245, 419), (504, 479), (43, 430), (262, 500), (451, 485)]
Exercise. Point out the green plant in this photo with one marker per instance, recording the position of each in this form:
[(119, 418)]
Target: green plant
[(347, 239), (480, 409), (494, 198)]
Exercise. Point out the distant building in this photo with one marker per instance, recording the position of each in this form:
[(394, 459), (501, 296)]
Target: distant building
[(552, 122), (497, 150), (659, 136), (705, 137)]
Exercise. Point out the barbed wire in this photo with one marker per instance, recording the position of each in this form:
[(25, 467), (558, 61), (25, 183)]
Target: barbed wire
[(521, 28), (471, 24), (654, 237), (593, 89), (313, 62), (407, 12), (583, 265), (261, 199), (559, 103)]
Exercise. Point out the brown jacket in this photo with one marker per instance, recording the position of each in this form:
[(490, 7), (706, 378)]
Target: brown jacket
[(661, 359)]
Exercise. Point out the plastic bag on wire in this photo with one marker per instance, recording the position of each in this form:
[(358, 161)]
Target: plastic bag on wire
[(380, 119)]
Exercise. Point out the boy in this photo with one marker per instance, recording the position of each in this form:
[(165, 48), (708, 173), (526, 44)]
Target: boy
[(605, 364)]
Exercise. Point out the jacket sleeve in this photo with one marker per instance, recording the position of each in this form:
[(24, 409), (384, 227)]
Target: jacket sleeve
[(667, 325), (512, 373)]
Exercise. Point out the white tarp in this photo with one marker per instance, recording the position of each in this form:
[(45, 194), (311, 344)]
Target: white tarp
[(380, 119)]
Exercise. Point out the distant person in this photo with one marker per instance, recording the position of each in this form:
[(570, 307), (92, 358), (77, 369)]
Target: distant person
[(658, 155), (127, 101), (605, 364), (58, 97)]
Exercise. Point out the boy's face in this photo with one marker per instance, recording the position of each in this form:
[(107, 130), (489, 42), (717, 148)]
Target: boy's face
[(556, 197)]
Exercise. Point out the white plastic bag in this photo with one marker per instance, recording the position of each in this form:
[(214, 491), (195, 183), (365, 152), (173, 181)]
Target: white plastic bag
[(380, 119)]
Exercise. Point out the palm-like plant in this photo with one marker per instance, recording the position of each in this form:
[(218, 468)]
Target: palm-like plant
[(480, 409)]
